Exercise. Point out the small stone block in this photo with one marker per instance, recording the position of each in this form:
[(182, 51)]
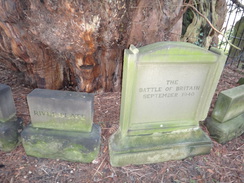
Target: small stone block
[(7, 106), (224, 132), (9, 134), (61, 110), (158, 147), (66, 145), (230, 104)]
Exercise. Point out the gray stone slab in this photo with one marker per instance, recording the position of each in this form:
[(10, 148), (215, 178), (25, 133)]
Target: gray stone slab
[(66, 145), (9, 134), (7, 106), (224, 132), (61, 110), (230, 104)]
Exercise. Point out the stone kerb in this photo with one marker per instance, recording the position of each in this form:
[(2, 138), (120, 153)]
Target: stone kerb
[(61, 126), (10, 125), (227, 120), (167, 89)]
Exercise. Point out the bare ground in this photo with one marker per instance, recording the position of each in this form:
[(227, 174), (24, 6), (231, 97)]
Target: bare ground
[(225, 163)]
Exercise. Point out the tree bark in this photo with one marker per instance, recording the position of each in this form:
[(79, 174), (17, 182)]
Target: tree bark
[(197, 30), (80, 43)]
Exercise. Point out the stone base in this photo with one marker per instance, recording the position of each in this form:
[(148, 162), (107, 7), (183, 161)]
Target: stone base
[(224, 132), (66, 145), (9, 134), (158, 147)]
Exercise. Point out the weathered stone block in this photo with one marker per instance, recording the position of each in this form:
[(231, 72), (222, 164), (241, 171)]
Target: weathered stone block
[(7, 106), (61, 110), (224, 132), (157, 147), (230, 104), (66, 145), (9, 134)]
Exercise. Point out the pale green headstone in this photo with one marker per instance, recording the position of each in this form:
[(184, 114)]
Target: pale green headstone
[(167, 89), (230, 104)]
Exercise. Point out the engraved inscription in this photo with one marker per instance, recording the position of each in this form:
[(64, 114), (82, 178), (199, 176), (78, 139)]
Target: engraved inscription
[(59, 115), (171, 88)]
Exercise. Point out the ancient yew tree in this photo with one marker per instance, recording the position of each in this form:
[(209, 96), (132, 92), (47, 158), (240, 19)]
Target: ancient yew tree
[(58, 43)]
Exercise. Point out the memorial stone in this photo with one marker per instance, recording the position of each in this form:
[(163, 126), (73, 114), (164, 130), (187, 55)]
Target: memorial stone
[(167, 89), (62, 126), (227, 120), (63, 110), (10, 125)]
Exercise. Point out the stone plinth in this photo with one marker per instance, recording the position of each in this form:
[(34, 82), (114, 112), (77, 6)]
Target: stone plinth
[(59, 144), (159, 147), (224, 132)]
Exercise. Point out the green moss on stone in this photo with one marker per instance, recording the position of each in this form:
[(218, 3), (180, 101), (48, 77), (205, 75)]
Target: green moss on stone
[(7, 145), (11, 117), (65, 145), (9, 134), (66, 125), (157, 147)]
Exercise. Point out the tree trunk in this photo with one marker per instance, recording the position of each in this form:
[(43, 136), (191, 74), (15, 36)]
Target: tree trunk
[(80, 43)]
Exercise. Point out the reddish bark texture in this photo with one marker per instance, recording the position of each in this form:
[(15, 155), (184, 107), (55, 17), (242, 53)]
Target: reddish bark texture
[(80, 43), (57, 44)]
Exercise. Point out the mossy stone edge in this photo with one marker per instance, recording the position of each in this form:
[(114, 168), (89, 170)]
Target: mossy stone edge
[(158, 147), (65, 145)]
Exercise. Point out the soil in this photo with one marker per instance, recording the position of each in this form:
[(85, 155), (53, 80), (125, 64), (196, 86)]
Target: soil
[(225, 163)]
